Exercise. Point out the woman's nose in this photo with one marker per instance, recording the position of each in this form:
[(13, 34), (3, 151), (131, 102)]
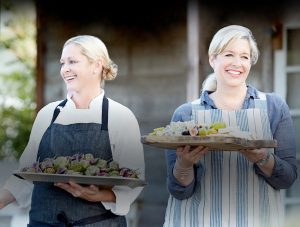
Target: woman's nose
[(236, 61), (65, 69)]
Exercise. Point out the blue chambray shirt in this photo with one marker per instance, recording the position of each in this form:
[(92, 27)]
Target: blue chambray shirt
[(285, 169)]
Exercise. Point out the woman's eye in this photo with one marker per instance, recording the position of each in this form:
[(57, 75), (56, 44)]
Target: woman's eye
[(228, 55)]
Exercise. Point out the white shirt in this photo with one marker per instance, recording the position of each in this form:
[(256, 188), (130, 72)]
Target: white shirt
[(124, 134)]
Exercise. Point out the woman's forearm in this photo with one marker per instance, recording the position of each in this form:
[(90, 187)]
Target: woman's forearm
[(283, 176), (184, 175), (6, 198), (175, 187), (268, 167)]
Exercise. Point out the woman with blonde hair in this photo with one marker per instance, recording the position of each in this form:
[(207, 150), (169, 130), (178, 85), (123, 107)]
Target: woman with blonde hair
[(232, 188), (85, 122)]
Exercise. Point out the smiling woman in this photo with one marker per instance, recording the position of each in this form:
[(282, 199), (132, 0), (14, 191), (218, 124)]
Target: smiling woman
[(86, 70), (225, 188), (85, 122)]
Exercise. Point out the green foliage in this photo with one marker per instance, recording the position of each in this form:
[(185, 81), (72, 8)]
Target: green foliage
[(17, 76), (15, 129)]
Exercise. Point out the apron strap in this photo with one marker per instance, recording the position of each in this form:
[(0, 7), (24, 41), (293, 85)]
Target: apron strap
[(63, 218), (196, 106), (57, 110), (261, 101), (104, 124)]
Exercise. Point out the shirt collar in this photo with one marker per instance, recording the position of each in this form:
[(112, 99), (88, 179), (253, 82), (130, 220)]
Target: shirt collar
[(95, 102), (205, 99)]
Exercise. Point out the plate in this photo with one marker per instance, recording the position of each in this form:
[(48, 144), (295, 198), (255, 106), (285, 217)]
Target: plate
[(97, 180), (221, 143)]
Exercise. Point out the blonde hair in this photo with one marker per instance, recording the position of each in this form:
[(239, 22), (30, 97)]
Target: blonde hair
[(219, 43), (94, 49), (230, 33), (210, 83)]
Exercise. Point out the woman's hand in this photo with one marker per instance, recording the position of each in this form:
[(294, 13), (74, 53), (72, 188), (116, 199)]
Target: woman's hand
[(255, 155), (90, 193), (5, 198), (188, 156)]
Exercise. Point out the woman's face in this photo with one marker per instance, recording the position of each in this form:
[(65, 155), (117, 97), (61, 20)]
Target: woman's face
[(232, 66), (77, 72)]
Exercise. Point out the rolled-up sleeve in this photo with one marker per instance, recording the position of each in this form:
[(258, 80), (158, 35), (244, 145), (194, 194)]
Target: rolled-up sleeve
[(179, 191), (176, 189), (127, 150), (285, 168), (22, 189)]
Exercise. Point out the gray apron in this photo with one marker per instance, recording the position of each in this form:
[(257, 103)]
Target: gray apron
[(52, 206)]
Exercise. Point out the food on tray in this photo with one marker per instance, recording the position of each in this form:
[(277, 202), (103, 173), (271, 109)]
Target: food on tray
[(217, 136), (81, 164), (190, 128)]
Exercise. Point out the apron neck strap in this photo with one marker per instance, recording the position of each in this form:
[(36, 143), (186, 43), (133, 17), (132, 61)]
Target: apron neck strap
[(57, 110), (104, 124), (261, 101)]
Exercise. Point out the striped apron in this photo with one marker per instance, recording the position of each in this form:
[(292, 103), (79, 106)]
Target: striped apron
[(229, 193)]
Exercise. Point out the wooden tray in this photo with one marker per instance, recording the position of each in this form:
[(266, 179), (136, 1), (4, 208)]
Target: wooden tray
[(221, 143), (97, 180)]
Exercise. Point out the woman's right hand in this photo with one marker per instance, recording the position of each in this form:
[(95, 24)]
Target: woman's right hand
[(6, 198), (188, 156), (90, 193)]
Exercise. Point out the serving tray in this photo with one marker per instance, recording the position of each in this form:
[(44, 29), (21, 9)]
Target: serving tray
[(81, 179), (221, 143)]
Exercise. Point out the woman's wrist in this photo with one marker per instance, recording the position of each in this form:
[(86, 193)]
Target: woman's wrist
[(264, 160), (267, 164), (106, 195), (183, 174), (184, 164)]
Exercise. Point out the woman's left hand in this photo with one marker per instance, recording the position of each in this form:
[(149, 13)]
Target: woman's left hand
[(254, 155), (90, 193)]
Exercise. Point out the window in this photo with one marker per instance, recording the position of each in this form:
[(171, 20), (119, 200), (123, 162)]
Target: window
[(287, 84)]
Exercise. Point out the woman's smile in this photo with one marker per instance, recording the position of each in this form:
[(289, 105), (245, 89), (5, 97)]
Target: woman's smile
[(69, 79), (234, 73)]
